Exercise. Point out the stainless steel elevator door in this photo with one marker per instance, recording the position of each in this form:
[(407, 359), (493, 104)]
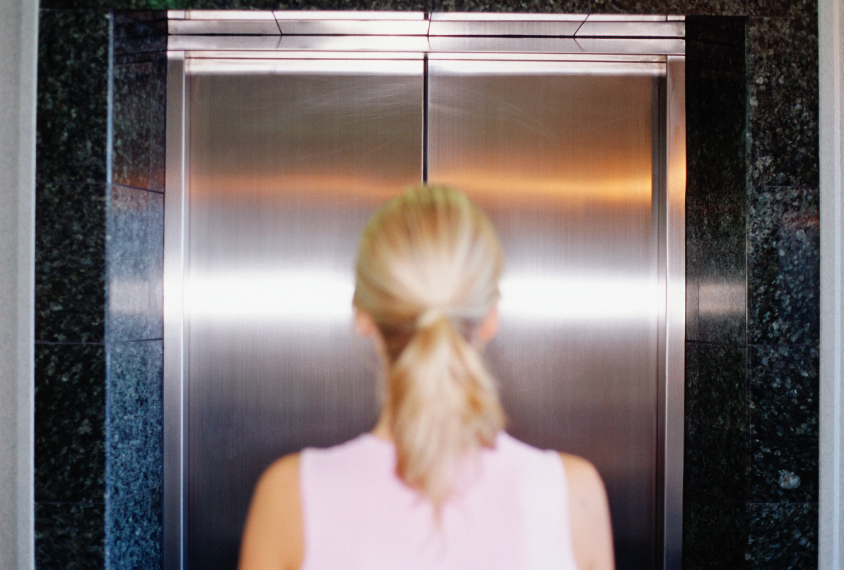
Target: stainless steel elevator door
[(562, 159), (285, 163), (284, 169)]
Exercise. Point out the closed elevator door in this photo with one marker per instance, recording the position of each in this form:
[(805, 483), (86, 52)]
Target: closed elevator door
[(286, 160)]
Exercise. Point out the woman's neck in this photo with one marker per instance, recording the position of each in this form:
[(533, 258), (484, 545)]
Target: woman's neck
[(382, 429)]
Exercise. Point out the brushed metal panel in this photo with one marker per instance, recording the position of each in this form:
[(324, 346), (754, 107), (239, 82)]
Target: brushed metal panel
[(609, 46), (284, 171), (280, 66), (222, 15), (504, 17), (194, 56), (379, 27), (346, 15), (627, 17), (558, 28), (561, 57), (175, 257), (516, 68), (531, 47), (224, 27), (665, 46), (355, 43), (189, 43), (564, 165), (675, 330), (598, 28)]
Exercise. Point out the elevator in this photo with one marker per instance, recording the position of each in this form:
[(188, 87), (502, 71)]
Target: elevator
[(286, 130)]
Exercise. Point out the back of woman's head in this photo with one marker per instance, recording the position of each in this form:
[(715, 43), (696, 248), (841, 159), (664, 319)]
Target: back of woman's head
[(427, 273)]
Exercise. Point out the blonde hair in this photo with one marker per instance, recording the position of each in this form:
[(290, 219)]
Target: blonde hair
[(427, 272)]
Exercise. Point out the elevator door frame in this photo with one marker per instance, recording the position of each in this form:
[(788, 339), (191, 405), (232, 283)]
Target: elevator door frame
[(650, 42)]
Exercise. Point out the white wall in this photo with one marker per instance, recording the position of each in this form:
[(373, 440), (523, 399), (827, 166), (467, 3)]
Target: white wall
[(831, 30), (18, 51)]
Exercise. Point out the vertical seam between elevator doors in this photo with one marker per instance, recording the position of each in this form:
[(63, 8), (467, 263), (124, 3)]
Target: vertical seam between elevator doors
[(425, 119)]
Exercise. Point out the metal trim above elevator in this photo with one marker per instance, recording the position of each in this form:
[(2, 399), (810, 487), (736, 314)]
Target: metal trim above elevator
[(437, 32)]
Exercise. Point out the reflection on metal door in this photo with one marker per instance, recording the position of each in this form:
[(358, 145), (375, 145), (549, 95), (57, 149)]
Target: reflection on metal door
[(283, 159), (562, 159)]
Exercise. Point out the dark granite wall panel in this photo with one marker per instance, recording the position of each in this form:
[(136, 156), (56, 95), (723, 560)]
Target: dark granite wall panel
[(539, 6), (72, 96), (782, 536), (717, 461), (135, 257), (133, 525), (70, 297), (782, 8), (138, 139), (69, 429), (715, 268), (715, 532), (705, 7), (715, 106), (783, 265), (99, 258), (70, 262), (784, 423), (69, 536), (715, 189), (782, 79), (134, 424)]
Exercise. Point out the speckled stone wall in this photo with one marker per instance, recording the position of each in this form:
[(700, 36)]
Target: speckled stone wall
[(752, 274), (99, 258)]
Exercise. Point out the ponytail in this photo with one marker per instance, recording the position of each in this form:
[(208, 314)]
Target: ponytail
[(427, 273), (444, 405)]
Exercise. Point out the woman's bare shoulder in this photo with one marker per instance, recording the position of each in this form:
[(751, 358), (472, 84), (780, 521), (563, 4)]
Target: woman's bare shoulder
[(582, 475), (590, 515), (281, 473), (272, 537)]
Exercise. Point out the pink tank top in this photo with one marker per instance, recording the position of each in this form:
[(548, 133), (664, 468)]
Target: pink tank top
[(513, 513)]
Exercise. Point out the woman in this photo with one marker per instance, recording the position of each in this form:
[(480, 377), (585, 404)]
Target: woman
[(437, 483)]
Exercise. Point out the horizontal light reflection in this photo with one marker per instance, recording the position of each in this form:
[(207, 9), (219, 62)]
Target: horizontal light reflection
[(291, 294), (552, 298), (318, 295)]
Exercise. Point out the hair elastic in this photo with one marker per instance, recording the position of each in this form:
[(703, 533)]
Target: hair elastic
[(430, 316)]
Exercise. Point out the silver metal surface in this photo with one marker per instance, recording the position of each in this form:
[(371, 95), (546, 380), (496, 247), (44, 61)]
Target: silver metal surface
[(512, 68), (355, 43), (564, 165), (431, 44), (465, 27), (506, 17), (664, 46), (380, 26), (675, 330), (346, 15), (222, 15), (529, 46), (578, 155), (313, 55), (560, 57), (244, 22), (223, 27), (607, 28), (265, 66), (284, 171), (228, 43), (175, 324)]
